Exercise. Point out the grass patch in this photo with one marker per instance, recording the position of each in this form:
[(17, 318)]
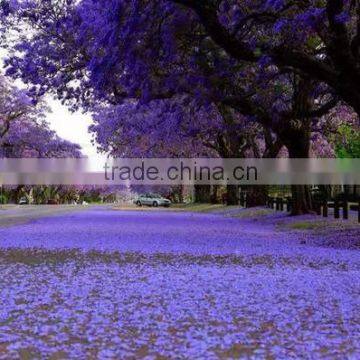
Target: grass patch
[(253, 213), (202, 208), (320, 226), (307, 225), (198, 208)]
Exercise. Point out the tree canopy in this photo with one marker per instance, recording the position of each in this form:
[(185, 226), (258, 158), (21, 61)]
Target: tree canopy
[(188, 77)]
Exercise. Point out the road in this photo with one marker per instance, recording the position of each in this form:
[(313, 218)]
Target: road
[(100, 283)]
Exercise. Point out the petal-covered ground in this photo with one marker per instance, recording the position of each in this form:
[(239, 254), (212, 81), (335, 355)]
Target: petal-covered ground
[(111, 284)]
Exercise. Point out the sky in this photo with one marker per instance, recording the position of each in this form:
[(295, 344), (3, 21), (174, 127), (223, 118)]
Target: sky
[(69, 126)]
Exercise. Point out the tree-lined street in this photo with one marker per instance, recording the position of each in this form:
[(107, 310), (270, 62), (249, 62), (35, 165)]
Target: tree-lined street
[(181, 270)]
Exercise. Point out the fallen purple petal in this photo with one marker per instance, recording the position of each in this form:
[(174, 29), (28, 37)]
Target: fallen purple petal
[(108, 284)]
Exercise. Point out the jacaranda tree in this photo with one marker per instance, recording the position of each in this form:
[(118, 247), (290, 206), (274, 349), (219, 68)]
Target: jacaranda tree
[(272, 61)]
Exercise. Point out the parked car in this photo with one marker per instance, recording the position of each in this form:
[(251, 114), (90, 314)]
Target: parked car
[(23, 201), (154, 200)]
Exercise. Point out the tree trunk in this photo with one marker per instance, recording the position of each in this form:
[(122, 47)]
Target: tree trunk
[(301, 195), (296, 136), (202, 193), (232, 195), (215, 194), (181, 194), (177, 194), (256, 196), (301, 200)]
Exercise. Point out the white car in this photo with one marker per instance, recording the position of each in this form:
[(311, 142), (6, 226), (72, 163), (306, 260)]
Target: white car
[(23, 201), (154, 200)]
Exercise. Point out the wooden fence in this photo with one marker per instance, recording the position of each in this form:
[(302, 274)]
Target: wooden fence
[(321, 208)]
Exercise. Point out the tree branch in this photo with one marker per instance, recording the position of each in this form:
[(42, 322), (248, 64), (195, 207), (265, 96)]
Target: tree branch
[(5, 129), (323, 110), (241, 50), (208, 16), (247, 107), (284, 57)]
